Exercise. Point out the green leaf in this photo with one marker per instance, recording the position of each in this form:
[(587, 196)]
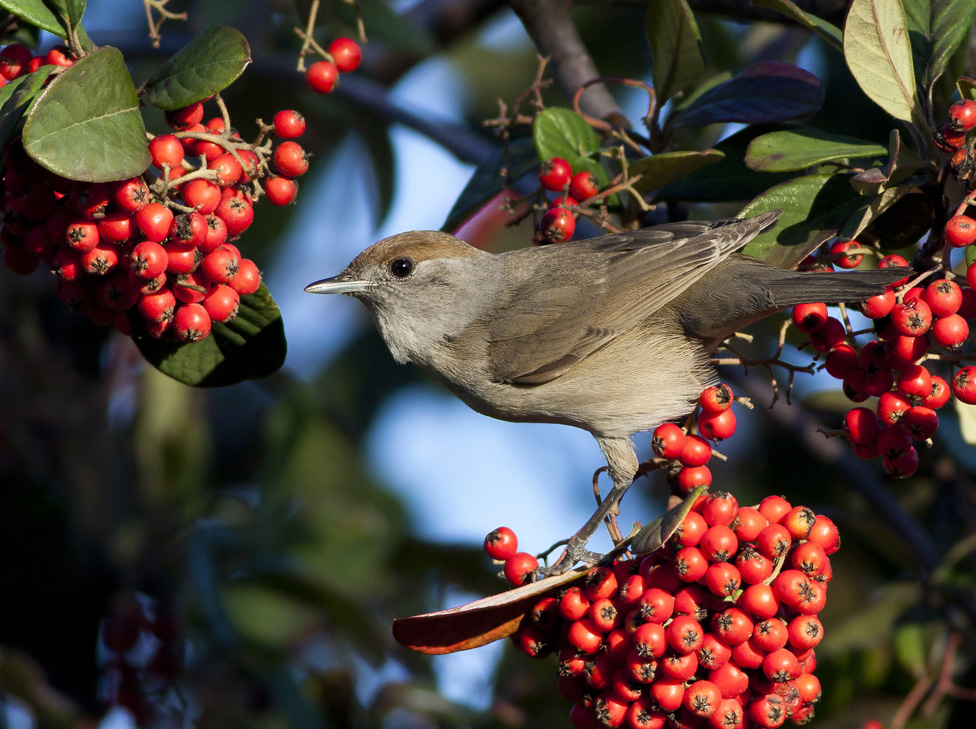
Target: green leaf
[(660, 169), (828, 31), (728, 179), (768, 91), (677, 61), (654, 535), (68, 13), (36, 13), (15, 97), (879, 55), (489, 179), (815, 208), (208, 63), (970, 256), (966, 87), (803, 148), (935, 29), (562, 133), (86, 124), (896, 218), (250, 346)]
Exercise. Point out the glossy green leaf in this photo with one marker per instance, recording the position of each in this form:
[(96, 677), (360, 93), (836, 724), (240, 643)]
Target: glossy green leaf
[(677, 61), (559, 132), (249, 347), (935, 29), (15, 98), (879, 54), (86, 124), (769, 91), (815, 208), (67, 12), (828, 31), (488, 180), (728, 179), (656, 534), (802, 148), (36, 13), (660, 169), (208, 63)]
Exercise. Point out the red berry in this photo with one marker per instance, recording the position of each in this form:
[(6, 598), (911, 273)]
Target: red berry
[(82, 235), (894, 261), (950, 332), (203, 195), (600, 582), (830, 335), (962, 115), (944, 297), (101, 259), (843, 259), (248, 278), (702, 698), (227, 168), (280, 190), (131, 195), (519, 567), (221, 265), (960, 231), (583, 186), (322, 77), (185, 118), (809, 317), (939, 395), (758, 598), (182, 259), (861, 425), (667, 441), (717, 426), (191, 323), (911, 318), (891, 407), (237, 213), (690, 478), (685, 634), (557, 225), (148, 259), (501, 543), (879, 306), (289, 124), (695, 452), (770, 635), (555, 173), (13, 60), (901, 466), (894, 441), (116, 292), (222, 303), (346, 54), (716, 398), (964, 385), (583, 635), (154, 221), (948, 139), (290, 159), (188, 229)]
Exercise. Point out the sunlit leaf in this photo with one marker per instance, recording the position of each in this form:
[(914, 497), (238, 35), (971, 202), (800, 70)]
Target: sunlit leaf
[(815, 207), (658, 170), (802, 148), (208, 63), (477, 623), (86, 124), (936, 28), (562, 133), (36, 13), (769, 91), (677, 61), (879, 55), (654, 535), (250, 346), (828, 31)]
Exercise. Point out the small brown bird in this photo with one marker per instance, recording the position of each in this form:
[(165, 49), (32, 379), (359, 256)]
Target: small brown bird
[(609, 334)]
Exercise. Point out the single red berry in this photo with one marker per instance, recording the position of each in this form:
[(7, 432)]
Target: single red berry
[(248, 278), (600, 582), (346, 54), (939, 395), (831, 334), (60, 56), (950, 332), (181, 258), (555, 174), (716, 398), (944, 297), (166, 150), (519, 567), (723, 579), (774, 508), (748, 522), (116, 292), (805, 631), (101, 259), (322, 77), (501, 543), (191, 323), (894, 261), (702, 698), (188, 229), (770, 635), (719, 508), (148, 260), (583, 635), (695, 451), (192, 288), (902, 465), (557, 225), (13, 60), (915, 382), (970, 279), (809, 317), (962, 115), (685, 634), (154, 221), (879, 306), (948, 139), (894, 441), (280, 190), (964, 385), (960, 231), (290, 159), (237, 213), (203, 195), (733, 626), (583, 186), (911, 318), (289, 124), (186, 117), (221, 265), (717, 426), (892, 406), (82, 235), (667, 441), (131, 195), (222, 303), (691, 477), (758, 598), (774, 541), (227, 168), (841, 257), (691, 529)]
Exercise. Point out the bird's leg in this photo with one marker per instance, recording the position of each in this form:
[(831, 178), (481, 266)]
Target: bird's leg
[(576, 549)]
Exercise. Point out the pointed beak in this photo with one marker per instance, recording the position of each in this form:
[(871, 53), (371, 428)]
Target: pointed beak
[(344, 283)]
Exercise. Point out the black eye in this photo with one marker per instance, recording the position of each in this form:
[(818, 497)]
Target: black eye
[(401, 267)]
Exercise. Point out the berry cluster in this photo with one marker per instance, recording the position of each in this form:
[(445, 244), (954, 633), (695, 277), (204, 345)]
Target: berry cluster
[(344, 55), (17, 60), (691, 452), (140, 655), (914, 328), (158, 244), (716, 628), (575, 191)]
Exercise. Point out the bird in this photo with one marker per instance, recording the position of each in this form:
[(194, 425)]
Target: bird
[(611, 334)]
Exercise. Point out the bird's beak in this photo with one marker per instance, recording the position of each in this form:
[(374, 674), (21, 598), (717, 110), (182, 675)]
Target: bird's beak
[(344, 283)]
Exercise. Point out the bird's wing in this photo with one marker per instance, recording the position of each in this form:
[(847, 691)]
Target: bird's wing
[(577, 297)]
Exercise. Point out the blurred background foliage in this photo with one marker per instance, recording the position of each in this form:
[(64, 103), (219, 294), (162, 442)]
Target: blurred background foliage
[(237, 546)]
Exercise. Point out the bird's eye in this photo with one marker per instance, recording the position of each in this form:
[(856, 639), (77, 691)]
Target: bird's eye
[(401, 267)]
